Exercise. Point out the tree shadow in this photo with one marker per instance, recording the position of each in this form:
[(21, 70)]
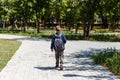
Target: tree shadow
[(87, 53), (94, 77), (45, 68), (81, 61), (22, 38), (32, 39)]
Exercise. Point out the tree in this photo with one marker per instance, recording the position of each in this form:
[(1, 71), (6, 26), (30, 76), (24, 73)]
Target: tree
[(24, 11), (72, 14), (108, 11), (4, 11), (87, 14), (113, 14), (39, 7)]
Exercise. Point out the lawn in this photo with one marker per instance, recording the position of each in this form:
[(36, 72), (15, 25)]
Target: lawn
[(47, 33), (7, 50)]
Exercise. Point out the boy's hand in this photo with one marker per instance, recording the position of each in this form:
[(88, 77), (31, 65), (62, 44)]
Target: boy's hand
[(52, 50)]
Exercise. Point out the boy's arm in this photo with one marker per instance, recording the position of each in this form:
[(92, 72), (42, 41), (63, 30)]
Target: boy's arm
[(64, 38), (52, 43)]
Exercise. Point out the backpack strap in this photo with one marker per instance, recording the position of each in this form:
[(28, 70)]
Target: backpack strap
[(58, 35)]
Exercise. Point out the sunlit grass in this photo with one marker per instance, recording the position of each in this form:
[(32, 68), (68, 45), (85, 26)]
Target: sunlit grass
[(7, 50), (94, 35)]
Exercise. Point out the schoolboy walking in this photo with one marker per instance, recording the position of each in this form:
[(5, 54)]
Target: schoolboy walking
[(58, 45)]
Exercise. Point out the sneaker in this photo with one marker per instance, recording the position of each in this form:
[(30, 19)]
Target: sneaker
[(61, 67), (56, 66)]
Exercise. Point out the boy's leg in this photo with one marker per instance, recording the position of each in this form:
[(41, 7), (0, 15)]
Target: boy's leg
[(57, 58), (61, 56)]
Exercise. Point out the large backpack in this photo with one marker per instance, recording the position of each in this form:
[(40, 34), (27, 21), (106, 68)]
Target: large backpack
[(58, 44)]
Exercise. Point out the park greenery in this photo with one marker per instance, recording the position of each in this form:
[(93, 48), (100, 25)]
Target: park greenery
[(100, 35), (70, 14), (7, 50), (110, 58)]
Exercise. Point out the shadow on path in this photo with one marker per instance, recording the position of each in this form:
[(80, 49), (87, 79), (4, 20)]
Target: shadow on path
[(81, 61), (80, 65), (90, 77), (45, 68), (32, 39)]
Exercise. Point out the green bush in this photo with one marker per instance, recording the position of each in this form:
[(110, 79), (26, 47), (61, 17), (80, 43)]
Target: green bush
[(101, 57), (104, 37), (110, 58), (114, 63)]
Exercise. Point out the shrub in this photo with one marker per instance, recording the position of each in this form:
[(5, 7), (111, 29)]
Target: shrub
[(110, 58), (101, 57), (114, 63), (104, 37)]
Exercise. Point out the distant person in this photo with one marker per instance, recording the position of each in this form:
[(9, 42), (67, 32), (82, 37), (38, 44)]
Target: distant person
[(58, 45), (15, 24)]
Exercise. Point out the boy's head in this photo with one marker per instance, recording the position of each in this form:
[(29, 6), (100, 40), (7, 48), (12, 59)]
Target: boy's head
[(58, 28)]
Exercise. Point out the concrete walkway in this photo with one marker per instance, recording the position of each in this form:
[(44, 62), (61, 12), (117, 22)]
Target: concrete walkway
[(34, 61)]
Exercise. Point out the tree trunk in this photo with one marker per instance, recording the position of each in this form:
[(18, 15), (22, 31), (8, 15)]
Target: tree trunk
[(49, 23), (86, 30), (25, 25), (44, 23), (69, 27), (4, 24), (37, 21), (21, 23), (38, 27), (104, 21), (76, 28), (112, 26), (25, 22), (15, 24), (12, 24)]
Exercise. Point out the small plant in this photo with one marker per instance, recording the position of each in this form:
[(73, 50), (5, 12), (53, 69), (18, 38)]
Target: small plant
[(114, 63), (104, 37), (109, 58), (101, 57)]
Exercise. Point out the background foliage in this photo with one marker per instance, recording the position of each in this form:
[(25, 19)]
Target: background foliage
[(71, 14)]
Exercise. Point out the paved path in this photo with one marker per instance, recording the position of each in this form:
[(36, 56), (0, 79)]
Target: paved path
[(34, 61)]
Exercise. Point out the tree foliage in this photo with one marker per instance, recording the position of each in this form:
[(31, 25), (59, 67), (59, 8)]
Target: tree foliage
[(50, 12)]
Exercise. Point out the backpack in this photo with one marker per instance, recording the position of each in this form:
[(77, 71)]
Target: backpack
[(58, 44)]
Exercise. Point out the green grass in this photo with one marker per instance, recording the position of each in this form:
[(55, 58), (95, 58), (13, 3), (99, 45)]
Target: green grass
[(104, 37), (7, 50), (47, 33), (109, 58)]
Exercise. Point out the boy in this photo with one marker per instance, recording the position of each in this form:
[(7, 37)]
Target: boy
[(58, 44)]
